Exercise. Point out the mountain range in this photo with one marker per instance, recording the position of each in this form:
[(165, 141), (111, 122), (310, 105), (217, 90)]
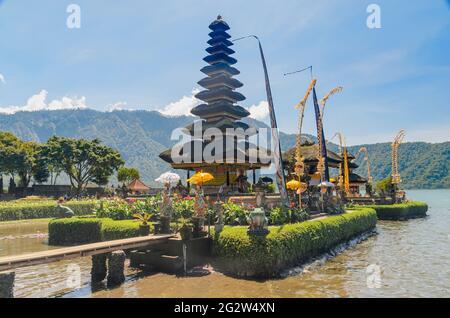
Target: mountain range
[(141, 136)]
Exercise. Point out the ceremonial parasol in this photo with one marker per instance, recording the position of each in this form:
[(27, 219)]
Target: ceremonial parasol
[(326, 184), (293, 185), (200, 178), (169, 178)]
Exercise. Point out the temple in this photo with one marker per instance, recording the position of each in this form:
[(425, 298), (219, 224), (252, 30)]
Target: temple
[(355, 180), (229, 142), (309, 152)]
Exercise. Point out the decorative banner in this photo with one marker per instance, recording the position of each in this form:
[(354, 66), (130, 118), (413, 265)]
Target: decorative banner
[(346, 173), (308, 92), (324, 100), (281, 180), (321, 135)]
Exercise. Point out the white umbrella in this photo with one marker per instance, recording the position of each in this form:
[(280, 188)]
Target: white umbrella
[(169, 178), (326, 184)]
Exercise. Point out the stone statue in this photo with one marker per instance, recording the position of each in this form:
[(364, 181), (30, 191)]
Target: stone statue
[(200, 205), (218, 207), (165, 211), (258, 222), (64, 211)]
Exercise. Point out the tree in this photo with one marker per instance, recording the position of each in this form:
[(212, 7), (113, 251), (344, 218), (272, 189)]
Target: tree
[(9, 145), (31, 164), (126, 175), (52, 152), (22, 158), (86, 161), (385, 186)]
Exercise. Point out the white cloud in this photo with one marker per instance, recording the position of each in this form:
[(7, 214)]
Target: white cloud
[(183, 106), (260, 111), (2, 79), (38, 102), (117, 106)]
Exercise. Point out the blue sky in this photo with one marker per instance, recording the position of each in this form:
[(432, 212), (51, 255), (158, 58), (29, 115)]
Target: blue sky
[(147, 55)]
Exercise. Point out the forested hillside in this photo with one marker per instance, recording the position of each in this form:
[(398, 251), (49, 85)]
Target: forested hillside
[(141, 135)]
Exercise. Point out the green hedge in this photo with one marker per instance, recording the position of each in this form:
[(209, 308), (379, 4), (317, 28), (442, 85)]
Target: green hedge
[(90, 230), (74, 231), (17, 210), (248, 256), (116, 230), (403, 211)]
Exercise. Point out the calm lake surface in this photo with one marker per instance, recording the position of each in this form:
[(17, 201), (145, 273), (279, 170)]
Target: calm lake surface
[(405, 259)]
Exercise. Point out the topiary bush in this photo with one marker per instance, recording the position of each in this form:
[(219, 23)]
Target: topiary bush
[(403, 211), (74, 231), (22, 210), (288, 245), (116, 230), (85, 230)]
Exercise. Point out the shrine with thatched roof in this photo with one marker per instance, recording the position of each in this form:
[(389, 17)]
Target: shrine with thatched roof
[(138, 187)]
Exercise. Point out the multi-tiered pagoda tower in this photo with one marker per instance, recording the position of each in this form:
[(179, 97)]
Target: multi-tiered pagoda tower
[(220, 95), (220, 111)]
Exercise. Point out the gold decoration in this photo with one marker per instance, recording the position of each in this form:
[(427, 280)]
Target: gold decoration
[(308, 92), (324, 100), (300, 167), (396, 179), (346, 173), (342, 146), (366, 158)]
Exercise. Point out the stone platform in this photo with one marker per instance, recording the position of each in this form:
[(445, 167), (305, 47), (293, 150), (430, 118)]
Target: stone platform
[(168, 257)]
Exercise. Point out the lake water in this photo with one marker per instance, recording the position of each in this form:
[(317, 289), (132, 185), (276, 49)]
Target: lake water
[(405, 259)]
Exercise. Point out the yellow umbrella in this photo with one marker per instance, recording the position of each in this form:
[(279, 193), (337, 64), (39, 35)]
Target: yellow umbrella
[(200, 177), (293, 185)]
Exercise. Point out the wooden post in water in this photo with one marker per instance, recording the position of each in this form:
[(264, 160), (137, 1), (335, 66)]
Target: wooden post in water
[(116, 268), (98, 271), (7, 284)]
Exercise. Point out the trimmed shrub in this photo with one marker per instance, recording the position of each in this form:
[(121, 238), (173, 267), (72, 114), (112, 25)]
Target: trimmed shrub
[(23, 210), (402, 211), (74, 231), (288, 245), (116, 230), (84, 230)]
